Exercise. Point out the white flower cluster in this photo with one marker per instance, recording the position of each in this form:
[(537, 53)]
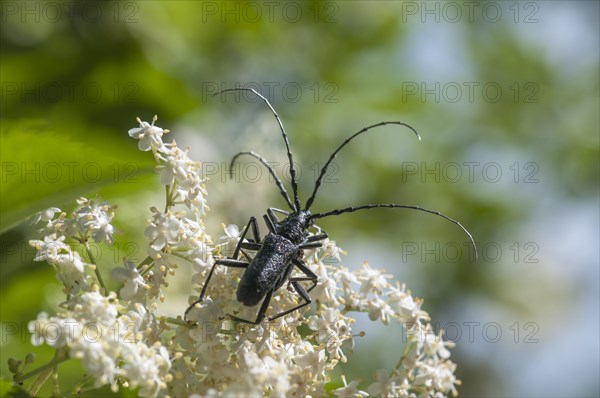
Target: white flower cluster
[(171, 233), (293, 355), (89, 221), (209, 353), (115, 348), (70, 268), (108, 344)]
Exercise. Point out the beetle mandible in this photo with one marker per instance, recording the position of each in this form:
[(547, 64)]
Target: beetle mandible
[(282, 249)]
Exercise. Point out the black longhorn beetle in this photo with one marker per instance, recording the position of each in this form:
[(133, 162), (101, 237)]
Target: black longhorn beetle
[(282, 249)]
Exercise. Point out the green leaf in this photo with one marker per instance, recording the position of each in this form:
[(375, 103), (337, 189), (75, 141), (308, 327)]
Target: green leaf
[(8, 389), (48, 164)]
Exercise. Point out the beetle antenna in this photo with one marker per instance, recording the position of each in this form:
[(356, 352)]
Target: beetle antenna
[(334, 154), (268, 166), (296, 206), (392, 205)]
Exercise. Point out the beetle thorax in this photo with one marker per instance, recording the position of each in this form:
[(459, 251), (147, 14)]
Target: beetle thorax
[(294, 227)]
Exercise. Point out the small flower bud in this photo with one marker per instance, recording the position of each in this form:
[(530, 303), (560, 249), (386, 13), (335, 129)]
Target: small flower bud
[(13, 365), (30, 358)]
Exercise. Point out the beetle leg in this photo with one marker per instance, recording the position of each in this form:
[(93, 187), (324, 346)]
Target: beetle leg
[(250, 246), (255, 230), (274, 210), (270, 223), (315, 238), (261, 311), (310, 275), (246, 255), (228, 262), (311, 245), (312, 242), (294, 282), (300, 290), (233, 260), (272, 217), (252, 223)]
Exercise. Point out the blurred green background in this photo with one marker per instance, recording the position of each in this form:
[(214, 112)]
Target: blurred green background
[(504, 94)]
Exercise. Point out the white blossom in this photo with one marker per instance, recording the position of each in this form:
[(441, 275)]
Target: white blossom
[(45, 215), (406, 306), (92, 330), (70, 268), (184, 177), (164, 229), (229, 239), (350, 390), (134, 284), (150, 136), (88, 220), (385, 386), (54, 331), (435, 346), (372, 280), (379, 309), (96, 218), (50, 248)]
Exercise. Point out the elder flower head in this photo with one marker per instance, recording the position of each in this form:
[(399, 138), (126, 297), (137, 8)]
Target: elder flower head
[(90, 220), (294, 351), (89, 329), (305, 359)]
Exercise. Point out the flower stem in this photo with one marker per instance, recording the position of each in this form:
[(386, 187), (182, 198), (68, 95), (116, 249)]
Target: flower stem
[(96, 270), (408, 348), (167, 198), (170, 196), (34, 388), (78, 388), (174, 321), (146, 261), (44, 372), (145, 271)]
